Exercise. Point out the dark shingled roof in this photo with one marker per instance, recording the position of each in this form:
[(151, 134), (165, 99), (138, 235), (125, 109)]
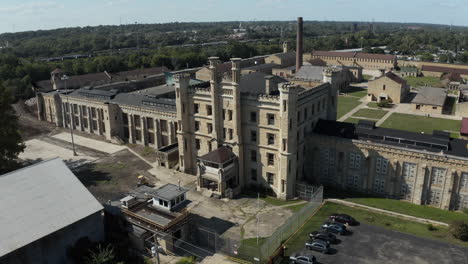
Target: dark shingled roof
[(393, 77), (444, 69), (438, 142), (430, 96), (453, 77), (262, 66), (219, 156), (317, 62), (254, 83)]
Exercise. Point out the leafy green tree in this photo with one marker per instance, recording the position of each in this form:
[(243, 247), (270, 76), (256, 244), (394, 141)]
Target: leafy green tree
[(11, 143), (459, 230)]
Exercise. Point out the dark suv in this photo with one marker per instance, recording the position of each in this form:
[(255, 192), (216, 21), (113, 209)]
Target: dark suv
[(343, 218), (325, 236)]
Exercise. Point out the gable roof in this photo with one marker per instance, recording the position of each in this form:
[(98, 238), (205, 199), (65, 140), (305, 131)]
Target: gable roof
[(310, 72), (317, 62), (39, 200), (454, 77), (219, 155), (285, 55), (393, 77), (430, 96), (255, 83)]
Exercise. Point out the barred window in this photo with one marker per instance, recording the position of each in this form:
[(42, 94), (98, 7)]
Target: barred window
[(354, 160), (464, 181), (437, 175), (409, 170)]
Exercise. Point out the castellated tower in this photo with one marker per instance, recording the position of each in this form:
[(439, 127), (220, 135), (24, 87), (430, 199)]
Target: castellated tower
[(332, 93), (288, 146), (184, 135), (285, 47)]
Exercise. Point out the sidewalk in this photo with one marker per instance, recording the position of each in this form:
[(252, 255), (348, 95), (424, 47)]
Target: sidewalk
[(352, 112), (390, 213)]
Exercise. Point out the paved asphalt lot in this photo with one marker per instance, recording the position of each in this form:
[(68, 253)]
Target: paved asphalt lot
[(369, 244)]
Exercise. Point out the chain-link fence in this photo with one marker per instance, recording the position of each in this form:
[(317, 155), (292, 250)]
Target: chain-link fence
[(247, 249)]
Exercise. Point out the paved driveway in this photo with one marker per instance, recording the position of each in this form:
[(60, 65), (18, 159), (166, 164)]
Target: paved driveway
[(370, 244)]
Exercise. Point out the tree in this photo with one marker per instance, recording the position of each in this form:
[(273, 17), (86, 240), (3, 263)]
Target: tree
[(459, 230), (11, 143)]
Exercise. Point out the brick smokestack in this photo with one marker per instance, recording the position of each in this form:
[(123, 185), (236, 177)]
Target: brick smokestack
[(299, 43)]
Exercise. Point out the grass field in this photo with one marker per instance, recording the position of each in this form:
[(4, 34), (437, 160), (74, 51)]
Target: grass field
[(367, 77), (370, 113), (346, 104), (297, 241), (356, 91), (419, 124), (412, 209), (352, 120), (373, 104), (423, 81)]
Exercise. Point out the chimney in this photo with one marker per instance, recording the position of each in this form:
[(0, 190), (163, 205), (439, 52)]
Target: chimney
[(299, 42), (285, 47), (270, 84)]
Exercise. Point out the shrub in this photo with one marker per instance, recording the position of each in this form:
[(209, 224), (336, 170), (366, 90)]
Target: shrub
[(465, 210), (459, 230), (384, 103), (431, 227), (187, 260)]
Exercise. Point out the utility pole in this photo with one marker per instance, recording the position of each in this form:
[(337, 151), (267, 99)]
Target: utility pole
[(65, 78)]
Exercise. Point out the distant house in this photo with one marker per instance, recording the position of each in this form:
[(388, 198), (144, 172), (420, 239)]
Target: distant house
[(390, 87), (452, 81), (45, 209), (464, 128), (430, 100), (408, 71), (284, 59)]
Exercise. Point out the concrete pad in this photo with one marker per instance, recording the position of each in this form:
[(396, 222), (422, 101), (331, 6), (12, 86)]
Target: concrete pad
[(90, 143), (40, 150)]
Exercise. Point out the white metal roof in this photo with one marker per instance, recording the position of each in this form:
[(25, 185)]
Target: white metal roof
[(39, 200)]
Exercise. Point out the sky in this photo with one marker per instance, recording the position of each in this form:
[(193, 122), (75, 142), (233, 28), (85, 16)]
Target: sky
[(24, 15)]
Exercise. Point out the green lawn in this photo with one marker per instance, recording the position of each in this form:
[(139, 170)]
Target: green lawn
[(373, 104), (423, 81), (424, 124), (346, 104), (356, 91), (297, 241), (278, 202), (367, 77), (412, 209), (370, 113), (352, 120)]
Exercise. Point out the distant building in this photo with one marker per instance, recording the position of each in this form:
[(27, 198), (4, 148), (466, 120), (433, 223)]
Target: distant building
[(452, 81), (45, 210), (439, 71), (204, 73), (287, 72), (388, 87), (153, 76), (339, 77), (464, 128), (366, 61), (284, 59), (430, 100), (408, 71), (265, 68)]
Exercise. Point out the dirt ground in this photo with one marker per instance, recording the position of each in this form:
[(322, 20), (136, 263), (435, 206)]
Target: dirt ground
[(112, 177), (29, 126)]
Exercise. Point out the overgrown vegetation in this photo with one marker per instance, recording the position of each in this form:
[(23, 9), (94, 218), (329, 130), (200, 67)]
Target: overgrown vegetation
[(459, 230)]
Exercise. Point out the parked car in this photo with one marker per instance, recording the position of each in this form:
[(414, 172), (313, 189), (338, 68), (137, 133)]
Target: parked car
[(303, 259), (325, 236), (343, 218), (318, 245), (336, 228)]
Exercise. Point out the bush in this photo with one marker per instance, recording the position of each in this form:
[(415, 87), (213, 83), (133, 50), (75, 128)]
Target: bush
[(384, 103), (465, 210), (430, 227), (459, 230)]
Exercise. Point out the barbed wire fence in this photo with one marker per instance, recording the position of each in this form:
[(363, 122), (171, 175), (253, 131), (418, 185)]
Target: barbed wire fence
[(267, 246)]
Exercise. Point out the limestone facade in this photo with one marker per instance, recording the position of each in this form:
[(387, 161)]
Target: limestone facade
[(388, 87), (416, 176), (363, 60), (266, 131)]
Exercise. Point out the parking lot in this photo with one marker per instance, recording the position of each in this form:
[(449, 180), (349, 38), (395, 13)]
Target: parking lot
[(369, 244)]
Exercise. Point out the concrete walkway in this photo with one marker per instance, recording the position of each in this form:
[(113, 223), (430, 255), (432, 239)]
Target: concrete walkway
[(390, 213), (387, 115)]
